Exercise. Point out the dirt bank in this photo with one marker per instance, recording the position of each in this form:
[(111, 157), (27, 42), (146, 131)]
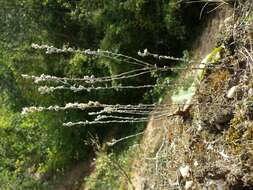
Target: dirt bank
[(201, 151)]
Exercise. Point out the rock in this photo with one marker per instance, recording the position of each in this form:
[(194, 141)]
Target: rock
[(231, 92), (250, 92), (185, 171), (188, 184), (223, 117)]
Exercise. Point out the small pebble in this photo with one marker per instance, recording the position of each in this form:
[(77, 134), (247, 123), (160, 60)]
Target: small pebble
[(188, 184), (231, 92), (185, 171), (250, 92)]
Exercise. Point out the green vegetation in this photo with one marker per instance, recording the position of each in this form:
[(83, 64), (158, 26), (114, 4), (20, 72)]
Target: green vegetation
[(112, 170), (36, 148)]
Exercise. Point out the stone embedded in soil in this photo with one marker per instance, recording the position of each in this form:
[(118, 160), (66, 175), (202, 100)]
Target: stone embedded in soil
[(185, 171), (250, 92), (231, 92), (188, 184)]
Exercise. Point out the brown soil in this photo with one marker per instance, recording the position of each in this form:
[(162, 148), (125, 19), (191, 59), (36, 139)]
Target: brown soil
[(152, 140)]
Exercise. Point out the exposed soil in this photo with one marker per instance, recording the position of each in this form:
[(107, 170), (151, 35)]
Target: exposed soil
[(178, 140)]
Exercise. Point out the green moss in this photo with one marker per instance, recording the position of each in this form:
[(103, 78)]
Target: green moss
[(182, 95), (111, 170), (211, 58)]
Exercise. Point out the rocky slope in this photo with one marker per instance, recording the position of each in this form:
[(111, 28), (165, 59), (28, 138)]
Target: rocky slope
[(207, 141)]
